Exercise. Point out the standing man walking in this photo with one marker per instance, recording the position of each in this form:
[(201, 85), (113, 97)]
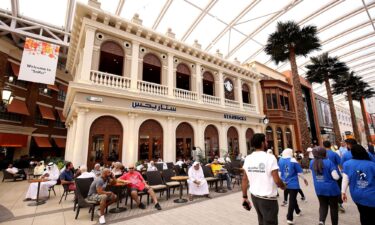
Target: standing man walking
[(262, 175)]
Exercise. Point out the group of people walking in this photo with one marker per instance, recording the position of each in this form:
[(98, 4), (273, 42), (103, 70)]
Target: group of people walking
[(332, 174)]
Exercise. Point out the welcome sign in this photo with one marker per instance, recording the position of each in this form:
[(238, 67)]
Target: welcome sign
[(39, 61)]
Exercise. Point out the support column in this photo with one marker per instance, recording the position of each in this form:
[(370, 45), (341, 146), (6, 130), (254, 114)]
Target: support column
[(223, 139), (199, 137), (170, 75), (239, 92), (242, 140), (221, 88), (169, 151), (255, 97), (79, 152), (132, 132), (87, 54), (134, 66), (198, 81)]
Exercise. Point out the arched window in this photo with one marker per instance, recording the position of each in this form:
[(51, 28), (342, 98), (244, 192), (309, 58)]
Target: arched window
[(211, 142), (150, 141), (246, 98), (289, 138), (183, 77), (280, 140), (249, 136), (232, 138), (269, 137), (208, 84), (151, 69), (184, 141), (228, 89), (111, 58)]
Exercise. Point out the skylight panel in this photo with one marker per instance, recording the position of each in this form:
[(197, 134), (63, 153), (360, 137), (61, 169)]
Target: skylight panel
[(6, 5), (198, 3), (148, 10), (226, 10), (230, 39), (109, 5), (246, 50)]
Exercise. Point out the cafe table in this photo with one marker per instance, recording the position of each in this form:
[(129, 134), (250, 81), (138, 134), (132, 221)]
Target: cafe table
[(180, 179), (118, 187), (38, 201)]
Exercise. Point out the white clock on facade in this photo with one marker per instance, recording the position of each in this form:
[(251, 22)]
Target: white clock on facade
[(228, 86)]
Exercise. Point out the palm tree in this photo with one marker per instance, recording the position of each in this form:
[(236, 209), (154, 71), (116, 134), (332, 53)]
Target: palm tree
[(362, 92), (347, 84), (287, 42), (323, 68)]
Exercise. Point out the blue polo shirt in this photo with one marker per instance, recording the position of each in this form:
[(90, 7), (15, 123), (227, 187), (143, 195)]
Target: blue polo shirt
[(324, 183), (289, 169), (361, 175), (67, 175), (335, 159), (348, 155)]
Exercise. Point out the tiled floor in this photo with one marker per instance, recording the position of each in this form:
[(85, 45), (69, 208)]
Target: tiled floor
[(222, 209)]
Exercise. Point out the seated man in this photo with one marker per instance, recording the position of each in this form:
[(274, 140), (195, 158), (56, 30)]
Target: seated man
[(15, 171), (67, 176), (50, 175), (39, 168), (84, 173), (97, 170), (152, 167), (137, 183), (197, 183), (220, 172), (98, 193)]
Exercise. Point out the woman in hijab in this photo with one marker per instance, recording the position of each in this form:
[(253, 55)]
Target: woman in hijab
[(326, 188), (197, 183), (290, 170), (359, 174)]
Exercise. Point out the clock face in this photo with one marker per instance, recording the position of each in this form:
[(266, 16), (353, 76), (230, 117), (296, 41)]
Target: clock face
[(228, 85)]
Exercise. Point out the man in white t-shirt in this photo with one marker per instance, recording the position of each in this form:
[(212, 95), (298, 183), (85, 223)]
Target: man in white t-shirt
[(262, 174), (310, 150)]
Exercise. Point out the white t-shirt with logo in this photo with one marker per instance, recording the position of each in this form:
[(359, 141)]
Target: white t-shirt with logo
[(258, 166)]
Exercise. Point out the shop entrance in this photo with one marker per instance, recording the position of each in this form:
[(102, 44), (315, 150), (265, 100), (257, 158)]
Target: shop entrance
[(184, 141), (150, 140)]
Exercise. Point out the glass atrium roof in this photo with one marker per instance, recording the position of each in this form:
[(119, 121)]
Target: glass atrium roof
[(238, 29)]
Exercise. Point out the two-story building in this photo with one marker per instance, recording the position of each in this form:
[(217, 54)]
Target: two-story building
[(137, 94)]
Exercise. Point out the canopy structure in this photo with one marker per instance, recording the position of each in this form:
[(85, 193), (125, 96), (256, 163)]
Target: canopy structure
[(236, 29)]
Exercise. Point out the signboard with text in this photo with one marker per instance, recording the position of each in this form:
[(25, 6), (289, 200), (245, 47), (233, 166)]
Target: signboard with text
[(39, 61)]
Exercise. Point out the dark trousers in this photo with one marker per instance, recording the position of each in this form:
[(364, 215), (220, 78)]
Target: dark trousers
[(267, 210), (286, 194), (339, 181), (293, 205), (225, 176), (366, 214), (332, 202)]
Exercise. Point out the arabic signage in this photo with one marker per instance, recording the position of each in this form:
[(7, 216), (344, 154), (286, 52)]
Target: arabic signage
[(234, 117), (94, 99), (39, 61), (153, 107)]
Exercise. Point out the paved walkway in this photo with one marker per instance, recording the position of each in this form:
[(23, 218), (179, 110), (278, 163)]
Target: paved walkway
[(222, 209)]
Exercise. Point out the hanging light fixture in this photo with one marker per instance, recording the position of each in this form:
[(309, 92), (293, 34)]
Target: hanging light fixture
[(7, 95)]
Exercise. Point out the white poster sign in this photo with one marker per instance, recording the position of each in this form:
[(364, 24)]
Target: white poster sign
[(39, 61)]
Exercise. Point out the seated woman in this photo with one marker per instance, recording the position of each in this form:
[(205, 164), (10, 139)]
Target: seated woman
[(117, 170), (197, 183), (50, 175), (39, 168)]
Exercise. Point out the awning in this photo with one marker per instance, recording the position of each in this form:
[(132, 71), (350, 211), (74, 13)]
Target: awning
[(42, 142), (15, 69), (13, 140), (19, 107), (60, 142), (62, 117), (46, 112), (53, 87)]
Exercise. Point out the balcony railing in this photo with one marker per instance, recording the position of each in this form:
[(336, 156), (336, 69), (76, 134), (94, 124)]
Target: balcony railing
[(152, 88), (249, 107), (184, 94), (211, 99), (232, 103), (109, 80)]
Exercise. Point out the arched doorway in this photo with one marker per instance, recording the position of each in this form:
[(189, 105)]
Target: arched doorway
[(208, 84), (105, 141), (269, 137), (151, 69), (150, 143), (211, 142), (184, 140), (232, 137), (246, 94), (289, 138), (183, 77), (111, 58), (280, 140), (249, 136)]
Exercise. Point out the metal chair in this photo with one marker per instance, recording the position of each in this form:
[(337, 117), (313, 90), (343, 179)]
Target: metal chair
[(156, 182), (210, 177), (167, 174), (81, 192)]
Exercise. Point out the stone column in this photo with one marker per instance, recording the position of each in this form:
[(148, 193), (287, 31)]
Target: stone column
[(239, 92), (221, 88), (255, 97), (198, 81), (170, 75), (134, 66), (169, 151), (79, 151), (87, 53), (223, 139), (242, 139), (71, 139), (199, 137), (131, 153)]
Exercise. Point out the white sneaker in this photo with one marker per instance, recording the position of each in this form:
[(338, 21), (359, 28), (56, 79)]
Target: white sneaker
[(101, 220), (289, 222), (299, 214), (98, 212)]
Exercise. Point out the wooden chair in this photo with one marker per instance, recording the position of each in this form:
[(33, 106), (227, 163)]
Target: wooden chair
[(67, 190), (81, 192)]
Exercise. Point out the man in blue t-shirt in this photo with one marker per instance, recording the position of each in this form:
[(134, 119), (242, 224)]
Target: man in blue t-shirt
[(335, 159), (67, 177), (348, 155)]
